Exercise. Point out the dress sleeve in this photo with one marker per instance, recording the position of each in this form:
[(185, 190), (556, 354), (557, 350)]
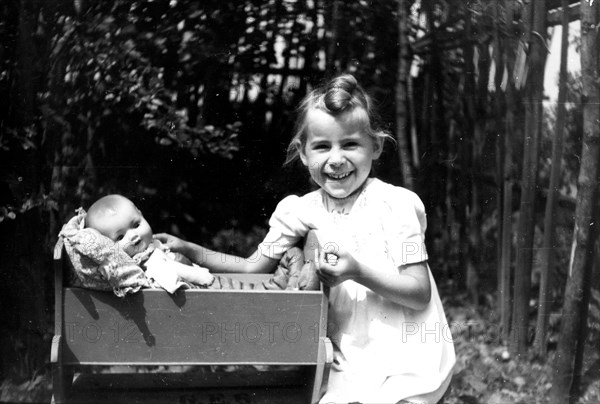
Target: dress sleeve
[(286, 228), (406, 233)]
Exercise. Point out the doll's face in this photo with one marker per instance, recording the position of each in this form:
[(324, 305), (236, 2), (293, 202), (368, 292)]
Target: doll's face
[(126, 225)]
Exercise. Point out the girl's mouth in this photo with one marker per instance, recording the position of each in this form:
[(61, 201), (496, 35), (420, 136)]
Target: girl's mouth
[(338, 177)]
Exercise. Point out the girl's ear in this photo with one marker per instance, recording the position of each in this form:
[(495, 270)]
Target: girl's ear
[(377, 147), (302, 156)]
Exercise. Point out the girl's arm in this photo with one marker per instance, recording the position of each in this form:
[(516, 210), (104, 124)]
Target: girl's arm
[(409, 286), (216, 261)]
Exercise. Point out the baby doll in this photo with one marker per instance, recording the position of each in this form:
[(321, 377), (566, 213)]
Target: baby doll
[(117, 218), (112, 247)]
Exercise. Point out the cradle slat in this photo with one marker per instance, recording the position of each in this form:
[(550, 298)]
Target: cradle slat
[(198, 327)]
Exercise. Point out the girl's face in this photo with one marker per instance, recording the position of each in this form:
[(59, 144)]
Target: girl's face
[(338, 152)]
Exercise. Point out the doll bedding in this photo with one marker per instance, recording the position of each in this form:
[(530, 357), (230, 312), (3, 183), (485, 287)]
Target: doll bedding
[(98, 264)]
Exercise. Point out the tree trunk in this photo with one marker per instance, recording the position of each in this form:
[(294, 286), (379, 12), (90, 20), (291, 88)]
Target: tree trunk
[(577, 293), (451, 235), (475, 94), (436, 82), (434, 169), (508, 181), (526, 225), (401, 97), (413, 122), (478, 145), (333, 42), (500, 133), (547, 246)]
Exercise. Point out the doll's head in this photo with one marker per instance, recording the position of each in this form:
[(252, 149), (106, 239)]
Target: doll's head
[(117, 218)]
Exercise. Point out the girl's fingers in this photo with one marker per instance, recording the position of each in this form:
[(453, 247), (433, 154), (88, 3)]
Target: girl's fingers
[(324, 260), (331, 254), (331, 259)]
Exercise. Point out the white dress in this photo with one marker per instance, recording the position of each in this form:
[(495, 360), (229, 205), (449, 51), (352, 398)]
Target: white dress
[(383, 352)]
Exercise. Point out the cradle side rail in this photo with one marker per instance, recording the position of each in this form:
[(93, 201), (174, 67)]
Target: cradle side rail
[(190, 327)]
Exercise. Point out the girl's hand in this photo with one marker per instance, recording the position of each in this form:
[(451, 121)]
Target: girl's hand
[(175, 244), (336, 265)]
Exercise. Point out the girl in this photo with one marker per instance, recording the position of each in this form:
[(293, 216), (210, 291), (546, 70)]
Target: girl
[(390, 335)]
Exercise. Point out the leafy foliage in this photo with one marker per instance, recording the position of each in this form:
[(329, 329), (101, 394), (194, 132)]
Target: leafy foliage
[(487, 373)]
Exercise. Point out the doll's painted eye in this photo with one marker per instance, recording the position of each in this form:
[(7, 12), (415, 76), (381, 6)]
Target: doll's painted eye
[(119, 237)]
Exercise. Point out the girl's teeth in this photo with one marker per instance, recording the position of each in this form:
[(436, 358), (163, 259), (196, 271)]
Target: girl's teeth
[(339, 177)]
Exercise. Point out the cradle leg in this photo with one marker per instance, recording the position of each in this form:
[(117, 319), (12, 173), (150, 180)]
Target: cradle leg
[(322, 370), (62, 377)]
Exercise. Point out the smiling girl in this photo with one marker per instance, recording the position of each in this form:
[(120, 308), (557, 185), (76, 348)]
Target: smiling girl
[(387, 324)]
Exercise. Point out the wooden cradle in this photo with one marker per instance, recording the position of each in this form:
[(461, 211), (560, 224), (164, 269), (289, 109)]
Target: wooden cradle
[(97, 331)]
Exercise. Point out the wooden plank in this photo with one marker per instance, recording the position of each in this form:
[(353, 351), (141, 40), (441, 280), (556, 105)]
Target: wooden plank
[(247, 278), (197, 388), (192, 327), (555, 15), (554, 4), (265, 395), (198, 377)]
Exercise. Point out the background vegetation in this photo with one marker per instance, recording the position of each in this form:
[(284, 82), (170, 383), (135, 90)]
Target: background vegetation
[(187, 108)]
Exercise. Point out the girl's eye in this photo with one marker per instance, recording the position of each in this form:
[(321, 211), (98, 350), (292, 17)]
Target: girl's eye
[(119, 238), (320, 147), (351, 144), (136, 225)]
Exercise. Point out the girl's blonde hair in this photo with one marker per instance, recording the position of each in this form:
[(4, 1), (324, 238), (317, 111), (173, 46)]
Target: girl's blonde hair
[(342, 94)]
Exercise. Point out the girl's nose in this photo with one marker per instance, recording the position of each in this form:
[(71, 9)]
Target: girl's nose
[(336, 158)]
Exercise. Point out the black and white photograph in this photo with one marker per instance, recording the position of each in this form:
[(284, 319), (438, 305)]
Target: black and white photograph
[(300, 201)]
